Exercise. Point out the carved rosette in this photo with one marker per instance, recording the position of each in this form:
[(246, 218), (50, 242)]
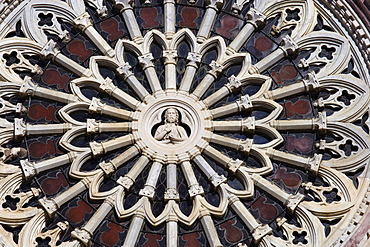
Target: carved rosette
[(221, 133)]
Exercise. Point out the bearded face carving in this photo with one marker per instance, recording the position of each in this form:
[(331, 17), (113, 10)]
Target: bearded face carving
[(171, 131)]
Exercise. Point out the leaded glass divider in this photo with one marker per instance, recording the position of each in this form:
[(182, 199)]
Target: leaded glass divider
[(188, 123)]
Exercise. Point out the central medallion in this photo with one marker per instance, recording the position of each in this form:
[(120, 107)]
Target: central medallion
[(170, 123), (171, 131)]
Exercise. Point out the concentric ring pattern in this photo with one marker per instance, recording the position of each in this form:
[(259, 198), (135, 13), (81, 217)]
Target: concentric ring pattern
[(200, 123)]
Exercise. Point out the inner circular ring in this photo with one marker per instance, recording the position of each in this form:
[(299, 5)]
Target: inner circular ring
[(170, 124)]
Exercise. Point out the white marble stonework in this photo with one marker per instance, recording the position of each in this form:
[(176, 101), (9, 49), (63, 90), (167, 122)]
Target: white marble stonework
[(171, 128)]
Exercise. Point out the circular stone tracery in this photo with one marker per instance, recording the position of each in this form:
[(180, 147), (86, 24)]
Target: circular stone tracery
[(230, 172), (150, 114)]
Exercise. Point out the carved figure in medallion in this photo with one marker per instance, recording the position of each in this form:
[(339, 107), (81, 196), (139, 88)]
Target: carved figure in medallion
[(171, 131)]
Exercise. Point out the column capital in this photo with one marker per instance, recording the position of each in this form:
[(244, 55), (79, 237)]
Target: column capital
[(289, 46), (28, 168), (50, 50), (125, 70), (256, 18), (233, 84), (146, 60), (123, 4), (259, 232), (28, 88), (234, 165), (171, 194), (82, 22), (82, 235), (195, 189), (96, 105), (215, 4), (293, 201), (215, 68), (49, 206), (125, 181), (244, 103)]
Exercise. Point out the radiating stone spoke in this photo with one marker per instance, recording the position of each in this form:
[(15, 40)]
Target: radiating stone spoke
[(243, 146), (240, 161), (233, 85), (209, 19), (298, 88), (31, 169), (191, 68), (193, 185), (85, 233), (29, 88), (117, 93), (53, 204), (129, 17), (171, 194), (46, 129), (99, 107), (135, 228), (151, 182), (170, 20), (128, 180), (288, 200), (245, 125), (170, 68), (319, 123), (99, 148), (209, 228), (92, 126), (50, 51), (146, 61), (255, 20), (208, 79), (311, 164), (132, 81), (227, 162), (258, 230), (288, 48), (112, 165), (84, 23), (212, 176), (243, 104)]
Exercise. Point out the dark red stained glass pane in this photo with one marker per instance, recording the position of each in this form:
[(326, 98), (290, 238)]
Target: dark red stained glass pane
[(38, 111), (39, 149), (111, 236), (111, 26), (290, 179), (54, 184), (302, 144), (266, 210), (300, 107), (232, 233), (152, 240), (263, 43), (149, 16), (287, 72), (77, 213), (53, 77), (77, 47), (189, 15), (228, 24), (191, 239)]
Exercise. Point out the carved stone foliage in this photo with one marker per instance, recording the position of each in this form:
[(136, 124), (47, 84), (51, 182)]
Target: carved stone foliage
[(176, 127)]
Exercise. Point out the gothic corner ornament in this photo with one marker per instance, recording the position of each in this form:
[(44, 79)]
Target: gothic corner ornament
[(223, 137)]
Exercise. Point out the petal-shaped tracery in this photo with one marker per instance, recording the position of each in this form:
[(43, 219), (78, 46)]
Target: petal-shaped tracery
[(208, 123)]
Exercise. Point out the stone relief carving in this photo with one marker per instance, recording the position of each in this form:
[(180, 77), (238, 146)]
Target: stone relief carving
[(346, 101), (171, 131)]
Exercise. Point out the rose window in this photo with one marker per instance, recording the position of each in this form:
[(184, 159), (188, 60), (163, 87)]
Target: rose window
[(181, 123)]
